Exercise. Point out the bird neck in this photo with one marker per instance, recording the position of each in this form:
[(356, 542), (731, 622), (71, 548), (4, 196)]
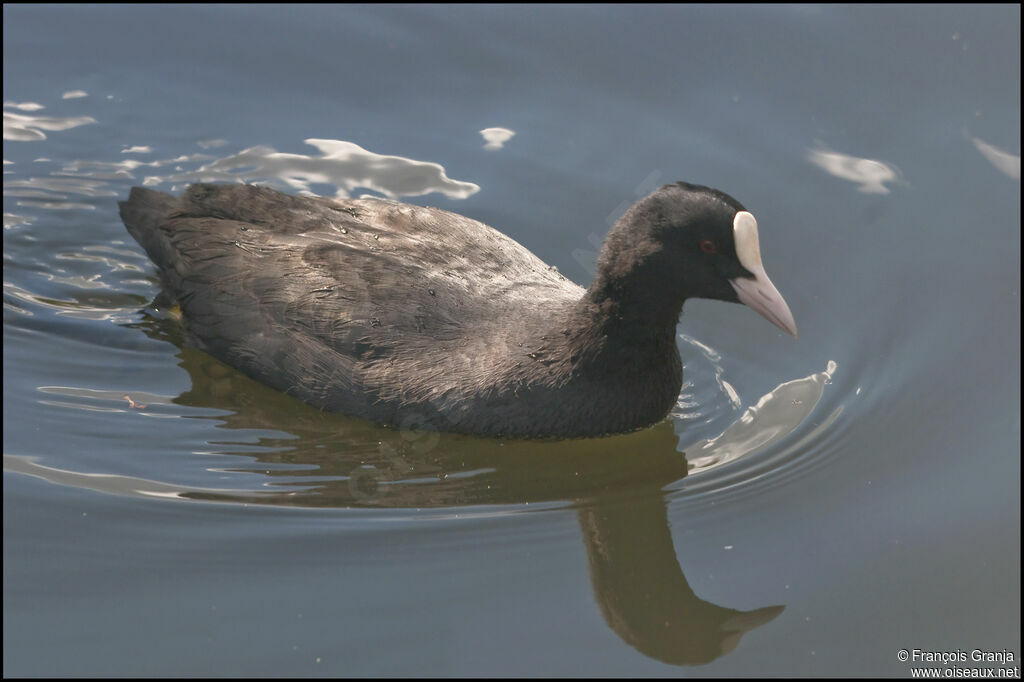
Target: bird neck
[(632, 308), (624, 329)]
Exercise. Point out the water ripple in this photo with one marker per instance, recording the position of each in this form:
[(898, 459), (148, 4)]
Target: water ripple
[(759, 447)]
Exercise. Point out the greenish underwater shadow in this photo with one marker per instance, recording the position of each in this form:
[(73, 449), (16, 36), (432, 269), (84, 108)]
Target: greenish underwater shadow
[(616, 484), (302, 457)]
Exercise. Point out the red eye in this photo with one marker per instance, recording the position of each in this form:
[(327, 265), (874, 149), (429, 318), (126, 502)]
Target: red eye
[(708, 246)]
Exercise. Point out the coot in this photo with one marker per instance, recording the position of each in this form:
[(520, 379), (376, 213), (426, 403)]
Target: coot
[(422, 318)]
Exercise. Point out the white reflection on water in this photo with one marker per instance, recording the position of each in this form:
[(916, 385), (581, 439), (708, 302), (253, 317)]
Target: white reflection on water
[(24, 106), (25, 128), (1005, 162), (53, 192), (343, 164), (132, 486), (496, 137), (109, 170), (74, 94), (114, 484), (111, 307), (870, 175), (775, 416), (13, 219), (113, 401), (58, 188)]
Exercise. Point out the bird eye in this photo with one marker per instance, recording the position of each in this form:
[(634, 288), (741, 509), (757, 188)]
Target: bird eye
[(708, 246)]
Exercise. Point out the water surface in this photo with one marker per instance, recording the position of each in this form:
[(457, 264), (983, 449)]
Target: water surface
[(809, 507)]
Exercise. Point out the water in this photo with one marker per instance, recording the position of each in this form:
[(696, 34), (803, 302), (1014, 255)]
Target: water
[(810, 508)]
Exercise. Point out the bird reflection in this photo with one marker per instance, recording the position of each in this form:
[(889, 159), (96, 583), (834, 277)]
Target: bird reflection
[(643, 592), (615, 483)]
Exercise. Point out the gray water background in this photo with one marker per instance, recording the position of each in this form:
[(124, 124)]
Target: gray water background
[(811, 507)]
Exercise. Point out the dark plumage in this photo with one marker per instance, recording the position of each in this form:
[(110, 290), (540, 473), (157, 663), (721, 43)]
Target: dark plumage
[(423, 318)]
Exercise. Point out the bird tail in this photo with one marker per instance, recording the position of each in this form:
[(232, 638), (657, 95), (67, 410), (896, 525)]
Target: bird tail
[(143, 213)]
